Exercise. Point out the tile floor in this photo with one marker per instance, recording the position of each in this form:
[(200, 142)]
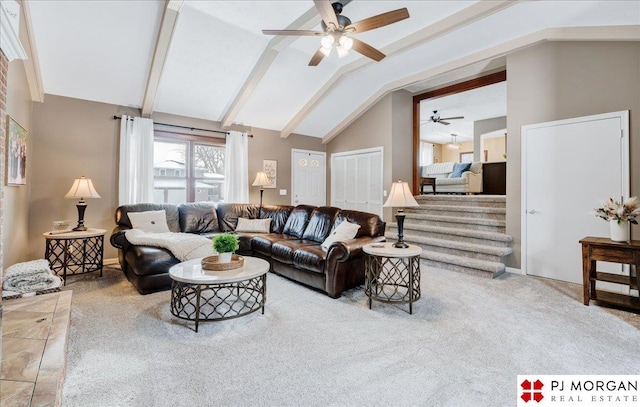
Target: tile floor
[(34, 342)]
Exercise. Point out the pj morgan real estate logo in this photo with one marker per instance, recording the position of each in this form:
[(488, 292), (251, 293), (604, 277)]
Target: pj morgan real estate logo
[(578, 390)]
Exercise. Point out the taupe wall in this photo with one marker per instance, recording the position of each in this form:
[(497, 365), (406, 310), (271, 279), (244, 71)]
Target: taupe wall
[(387, 124), (16, 198), (481, 127), (73, 137), (561, 80)]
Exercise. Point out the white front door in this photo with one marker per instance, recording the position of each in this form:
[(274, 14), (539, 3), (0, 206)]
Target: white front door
[(569, 167), (308, 178)]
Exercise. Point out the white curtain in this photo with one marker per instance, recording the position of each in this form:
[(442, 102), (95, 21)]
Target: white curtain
[(236, 168), (136, 160)]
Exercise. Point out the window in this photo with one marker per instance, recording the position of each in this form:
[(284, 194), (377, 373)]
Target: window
[(426, 153), (187, 168)]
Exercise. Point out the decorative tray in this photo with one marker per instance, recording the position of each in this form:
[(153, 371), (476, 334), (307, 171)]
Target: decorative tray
[(212, 263)]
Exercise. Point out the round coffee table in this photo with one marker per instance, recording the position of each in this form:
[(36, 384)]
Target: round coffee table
[(204, 295)]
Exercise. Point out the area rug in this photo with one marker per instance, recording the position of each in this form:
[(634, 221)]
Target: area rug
[(465, 343)]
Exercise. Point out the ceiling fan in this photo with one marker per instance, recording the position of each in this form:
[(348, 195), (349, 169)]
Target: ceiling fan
[(443, 120), (337, 28)]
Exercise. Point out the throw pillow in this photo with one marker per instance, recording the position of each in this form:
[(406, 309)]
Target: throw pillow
[(150, 221), (458, 169), (253, 225), (344, 231)]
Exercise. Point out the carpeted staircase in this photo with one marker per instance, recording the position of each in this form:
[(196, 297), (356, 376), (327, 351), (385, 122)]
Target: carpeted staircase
[(459, 232)]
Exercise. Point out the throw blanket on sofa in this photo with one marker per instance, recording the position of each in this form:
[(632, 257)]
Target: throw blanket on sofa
[(184, 246)]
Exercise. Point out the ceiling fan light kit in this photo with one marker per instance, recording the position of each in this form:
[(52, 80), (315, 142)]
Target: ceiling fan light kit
[(336, 26)]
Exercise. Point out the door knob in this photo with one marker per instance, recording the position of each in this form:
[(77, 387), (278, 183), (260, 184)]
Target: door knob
[(533, 212)]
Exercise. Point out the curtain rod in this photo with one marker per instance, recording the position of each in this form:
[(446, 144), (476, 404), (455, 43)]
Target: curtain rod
[(186, 127)]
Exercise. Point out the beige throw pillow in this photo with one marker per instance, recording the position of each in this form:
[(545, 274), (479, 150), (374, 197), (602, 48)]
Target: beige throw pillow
[(253, 225), (344, 231), (150, 221)]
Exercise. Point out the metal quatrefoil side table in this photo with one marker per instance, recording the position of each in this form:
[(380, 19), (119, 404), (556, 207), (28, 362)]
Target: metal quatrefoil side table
[(392, 275), (72, 253)]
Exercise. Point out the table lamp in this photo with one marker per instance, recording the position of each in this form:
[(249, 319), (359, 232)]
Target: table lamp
[(261, 181), (82, 188), (400, 197)]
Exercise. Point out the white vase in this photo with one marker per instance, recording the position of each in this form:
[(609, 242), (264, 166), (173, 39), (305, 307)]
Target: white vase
[(619, 231), (224, 257)]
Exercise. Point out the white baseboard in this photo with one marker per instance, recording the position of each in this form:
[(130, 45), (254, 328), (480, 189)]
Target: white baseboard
[(110, 262), (513, 270)]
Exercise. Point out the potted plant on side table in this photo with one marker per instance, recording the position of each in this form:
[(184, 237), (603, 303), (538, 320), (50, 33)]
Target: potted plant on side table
[(619, 214), (225, 244)]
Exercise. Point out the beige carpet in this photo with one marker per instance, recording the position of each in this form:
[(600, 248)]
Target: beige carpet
[(468, 339)]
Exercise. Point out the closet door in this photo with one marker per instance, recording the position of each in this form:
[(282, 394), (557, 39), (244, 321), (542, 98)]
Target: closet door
[(356, 180)]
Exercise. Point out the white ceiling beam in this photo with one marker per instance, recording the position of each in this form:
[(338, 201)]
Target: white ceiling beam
[(601, 33), (167, 28), (31, 64), (279, 42), (466, 16)]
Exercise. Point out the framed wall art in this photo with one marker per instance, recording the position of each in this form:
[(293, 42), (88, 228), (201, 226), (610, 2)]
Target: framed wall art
[(16, 153), (270, 167)]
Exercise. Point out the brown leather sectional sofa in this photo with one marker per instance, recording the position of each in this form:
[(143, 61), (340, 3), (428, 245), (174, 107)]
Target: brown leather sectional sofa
[(292, 247)]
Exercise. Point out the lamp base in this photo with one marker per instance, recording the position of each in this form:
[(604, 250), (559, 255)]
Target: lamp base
[(82, 206), (400, 245)]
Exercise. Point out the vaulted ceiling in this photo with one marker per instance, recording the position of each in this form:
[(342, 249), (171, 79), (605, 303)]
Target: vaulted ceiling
[(210, 60)]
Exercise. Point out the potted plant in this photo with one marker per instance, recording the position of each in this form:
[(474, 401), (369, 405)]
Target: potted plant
[(225, 244), (619, 214)]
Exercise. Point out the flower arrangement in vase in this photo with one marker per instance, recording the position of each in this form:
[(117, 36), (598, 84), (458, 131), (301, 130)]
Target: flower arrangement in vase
[(225, 244), (619, 214)]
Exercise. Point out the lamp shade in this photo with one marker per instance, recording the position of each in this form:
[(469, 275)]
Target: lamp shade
[(82, 188), (261, 180), (400, 196)]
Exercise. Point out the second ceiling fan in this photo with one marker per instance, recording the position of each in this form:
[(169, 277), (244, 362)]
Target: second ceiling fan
[(338, 29), (443, 120)]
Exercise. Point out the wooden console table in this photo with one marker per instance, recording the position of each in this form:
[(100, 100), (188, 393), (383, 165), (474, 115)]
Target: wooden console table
[(603, 249)]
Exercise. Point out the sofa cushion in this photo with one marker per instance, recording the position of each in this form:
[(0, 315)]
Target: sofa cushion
[(297, 221), (253, 225), (344, 231), (310, 258), (283, 250), (320, 223), (122, 214), (262, 243), (451, 181), (150, 221), (228, 214), (459, 169), (278, 214), (198, 217), (147, 260)]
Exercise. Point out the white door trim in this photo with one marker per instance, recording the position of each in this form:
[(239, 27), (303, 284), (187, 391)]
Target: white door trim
[(624, 166), (293, 172)]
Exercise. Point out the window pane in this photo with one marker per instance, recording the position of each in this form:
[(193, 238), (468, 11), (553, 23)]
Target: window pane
[(209, 172), (172, 191), (169, 159)]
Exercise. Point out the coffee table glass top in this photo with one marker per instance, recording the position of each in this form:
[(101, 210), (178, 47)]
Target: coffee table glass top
[(191, 272)]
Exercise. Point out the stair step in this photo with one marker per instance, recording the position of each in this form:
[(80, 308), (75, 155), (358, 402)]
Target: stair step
[(455, 234), (471, 250), (459, 211), (490, 225), (482, 268), (463, 200)]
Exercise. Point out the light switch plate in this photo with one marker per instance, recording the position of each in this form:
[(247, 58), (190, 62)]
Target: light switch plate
[(283, 192)]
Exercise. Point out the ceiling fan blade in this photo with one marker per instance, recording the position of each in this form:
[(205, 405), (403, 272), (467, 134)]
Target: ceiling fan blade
[(326, 12), (292, 32), (380, 20), (452, 118), (316, 58), (445, 123), (367, 50)]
